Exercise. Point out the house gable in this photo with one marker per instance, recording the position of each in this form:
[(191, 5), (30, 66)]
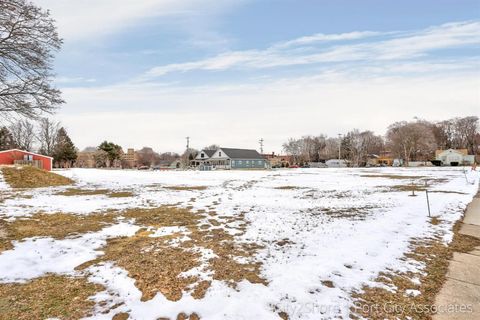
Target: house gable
[(205, 154)]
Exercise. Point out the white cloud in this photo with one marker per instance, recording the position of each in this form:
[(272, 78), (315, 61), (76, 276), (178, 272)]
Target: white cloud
[(401, 46), (321, 37), (238, 115), (87, 19)]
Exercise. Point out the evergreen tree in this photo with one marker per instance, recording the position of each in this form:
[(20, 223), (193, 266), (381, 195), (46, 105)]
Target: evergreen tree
[(65, 152), (6, 139), (114, 151)]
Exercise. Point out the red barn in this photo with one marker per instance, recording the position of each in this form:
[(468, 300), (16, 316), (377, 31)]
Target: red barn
[(20, 157)]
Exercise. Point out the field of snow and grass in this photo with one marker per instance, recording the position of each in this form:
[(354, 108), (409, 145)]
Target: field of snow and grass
[(222, 244)]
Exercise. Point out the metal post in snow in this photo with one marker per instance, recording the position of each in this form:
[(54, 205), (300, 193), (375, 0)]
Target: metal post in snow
[(428, 203)]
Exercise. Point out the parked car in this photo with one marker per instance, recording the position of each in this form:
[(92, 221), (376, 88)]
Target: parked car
[(144, 168)]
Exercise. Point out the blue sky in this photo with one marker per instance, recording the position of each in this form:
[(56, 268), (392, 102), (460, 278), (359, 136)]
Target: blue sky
[(150, 72)]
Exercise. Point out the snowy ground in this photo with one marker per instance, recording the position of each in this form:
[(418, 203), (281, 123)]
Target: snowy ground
[(342, 225)]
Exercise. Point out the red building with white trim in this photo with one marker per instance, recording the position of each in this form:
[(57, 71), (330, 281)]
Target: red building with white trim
[(21, 157)]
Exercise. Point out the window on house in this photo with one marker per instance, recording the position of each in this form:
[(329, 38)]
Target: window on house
[(219, 154), (202, 155)]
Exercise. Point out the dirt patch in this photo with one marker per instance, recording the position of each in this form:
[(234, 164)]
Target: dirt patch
[(379, 303), (57, 225), (47, 297), (188, 188), (30, 177)]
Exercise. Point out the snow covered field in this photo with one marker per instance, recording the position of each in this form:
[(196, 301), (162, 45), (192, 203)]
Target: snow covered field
[(323, 233)]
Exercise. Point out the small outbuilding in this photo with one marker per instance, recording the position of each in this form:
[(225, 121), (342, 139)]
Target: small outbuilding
[(25, 158), (454, 157)]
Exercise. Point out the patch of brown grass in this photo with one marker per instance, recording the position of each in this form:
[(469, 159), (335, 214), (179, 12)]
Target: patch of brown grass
[(30, 177), (82, 192), (445, 191), (188, 188), (47, 297), (391, 176), (120, 194), (287, 188), (57, 225), (157, 266), (408, 187), (94, 192), (352, 213), (165, 216), (379, 303)]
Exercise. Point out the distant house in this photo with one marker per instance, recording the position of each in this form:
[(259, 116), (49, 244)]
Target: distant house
[(278, 161), (454, 157), (229, 158), (25, 158), (202, 159)]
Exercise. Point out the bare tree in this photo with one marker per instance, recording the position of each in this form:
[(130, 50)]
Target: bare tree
[(357, 146), (28, 39), (212, 147), (293, 147), (412, 140), (147, 157), (23, 134), (457, 133), (47, 135), (466, 129)]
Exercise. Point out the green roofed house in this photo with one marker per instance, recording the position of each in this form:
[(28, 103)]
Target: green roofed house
[(228, 158)]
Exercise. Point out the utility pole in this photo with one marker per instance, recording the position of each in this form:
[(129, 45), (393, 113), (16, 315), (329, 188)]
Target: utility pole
[(339, 146), (261, 145), (188, 143)]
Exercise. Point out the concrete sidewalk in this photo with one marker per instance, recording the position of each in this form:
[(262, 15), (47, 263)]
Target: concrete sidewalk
[(462, 288)]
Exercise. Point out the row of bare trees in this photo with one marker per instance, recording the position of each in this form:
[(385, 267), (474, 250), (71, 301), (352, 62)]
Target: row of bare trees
[(407, 140), (355, 145)]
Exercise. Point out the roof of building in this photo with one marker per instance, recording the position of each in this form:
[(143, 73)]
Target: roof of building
[(209, 152), (460, 151), (24, 151), (242, 153)]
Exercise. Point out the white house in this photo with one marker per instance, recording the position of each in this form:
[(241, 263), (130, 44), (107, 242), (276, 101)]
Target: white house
[(203, 158), (454, 157)]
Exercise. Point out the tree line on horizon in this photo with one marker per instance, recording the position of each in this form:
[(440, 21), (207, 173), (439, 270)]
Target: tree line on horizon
[(415, 140)]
